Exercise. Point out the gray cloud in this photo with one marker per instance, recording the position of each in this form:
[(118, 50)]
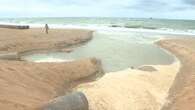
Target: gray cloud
[(73, 2), (148, 5), (184, 5), (183, 8), (151, 2), (119, 8), (189, 2), (162, 6)]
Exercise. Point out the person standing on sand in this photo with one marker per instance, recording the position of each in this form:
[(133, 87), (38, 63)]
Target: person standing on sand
[(46, 28)]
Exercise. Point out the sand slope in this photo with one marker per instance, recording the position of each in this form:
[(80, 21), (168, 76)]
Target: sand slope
[(26, 85), (131, 89), (182, 93)]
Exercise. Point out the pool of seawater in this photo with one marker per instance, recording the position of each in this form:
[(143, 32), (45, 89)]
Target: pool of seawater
[(117, 51)]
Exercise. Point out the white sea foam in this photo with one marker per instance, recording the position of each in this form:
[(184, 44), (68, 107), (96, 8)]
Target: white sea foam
[(51, 59), (121, 29), (106, 27)]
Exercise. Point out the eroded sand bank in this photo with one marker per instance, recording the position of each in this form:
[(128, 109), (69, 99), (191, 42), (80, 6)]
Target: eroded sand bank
[(131, 89), (28, 85), (14, 40), (25, 85)]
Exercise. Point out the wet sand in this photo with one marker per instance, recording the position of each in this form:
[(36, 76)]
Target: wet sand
[(28, 85)]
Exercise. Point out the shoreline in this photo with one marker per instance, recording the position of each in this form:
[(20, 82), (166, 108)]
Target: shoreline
[(108, 92), (109, 27), (176, 59), (179, 94), (31, 41), (113, 91)]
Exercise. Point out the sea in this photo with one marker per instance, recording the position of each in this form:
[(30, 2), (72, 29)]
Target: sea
[(120, 43), (168, 25)]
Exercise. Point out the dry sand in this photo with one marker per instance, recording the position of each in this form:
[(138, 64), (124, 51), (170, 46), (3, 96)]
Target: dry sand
[(131, 89), (13, 40), (182, 93), (27, 85)]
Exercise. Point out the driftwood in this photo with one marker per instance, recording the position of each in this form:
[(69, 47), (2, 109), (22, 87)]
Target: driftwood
[(15, 26)]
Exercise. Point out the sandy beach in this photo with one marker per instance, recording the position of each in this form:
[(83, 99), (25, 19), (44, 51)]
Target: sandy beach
[(181, 94), (131, 89), (14, 40), (97, 55), (28, 85), (170, 87)]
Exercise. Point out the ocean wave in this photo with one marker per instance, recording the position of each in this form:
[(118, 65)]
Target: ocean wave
[(106, 26)]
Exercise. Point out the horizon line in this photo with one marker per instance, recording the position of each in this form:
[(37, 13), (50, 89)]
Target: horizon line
[(94, 17)]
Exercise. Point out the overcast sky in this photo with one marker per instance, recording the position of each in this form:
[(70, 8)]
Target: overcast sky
[(173, 9)]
